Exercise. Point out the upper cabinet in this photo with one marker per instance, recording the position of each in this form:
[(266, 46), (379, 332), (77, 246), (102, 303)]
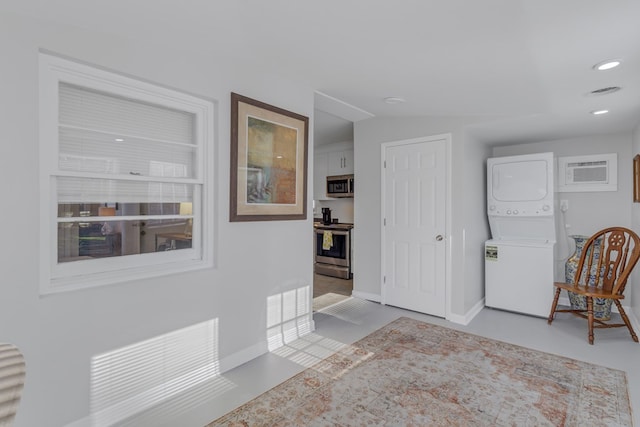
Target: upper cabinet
[(328, 160), (340, 162)]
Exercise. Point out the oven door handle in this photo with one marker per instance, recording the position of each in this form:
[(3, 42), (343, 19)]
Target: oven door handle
[(336, 232)]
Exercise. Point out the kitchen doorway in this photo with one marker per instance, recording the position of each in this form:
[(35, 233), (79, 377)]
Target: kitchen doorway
[(329, 290), (333, 281), (333, 155)]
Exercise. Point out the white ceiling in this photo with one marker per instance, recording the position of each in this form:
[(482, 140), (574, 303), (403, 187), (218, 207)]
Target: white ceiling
[(523, 65)]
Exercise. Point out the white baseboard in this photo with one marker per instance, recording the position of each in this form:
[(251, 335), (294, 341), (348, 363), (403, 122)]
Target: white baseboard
[(468, 316), (303, 327), (455, 318), (367, 296), (226, 364), (243, 356)]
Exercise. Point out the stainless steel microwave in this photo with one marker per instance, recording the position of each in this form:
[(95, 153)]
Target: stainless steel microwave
[(340, 186)]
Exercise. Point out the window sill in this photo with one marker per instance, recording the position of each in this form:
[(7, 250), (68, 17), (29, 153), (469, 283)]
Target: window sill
[(73, 283)]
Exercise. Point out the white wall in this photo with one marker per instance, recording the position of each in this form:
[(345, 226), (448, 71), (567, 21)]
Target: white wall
[(589, 211), (59, 334), (342, 209), (635, 225), (476, 225), (469, 228), (468, 215)]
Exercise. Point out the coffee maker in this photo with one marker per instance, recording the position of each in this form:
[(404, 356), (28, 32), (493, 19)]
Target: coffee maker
[(326, 216)]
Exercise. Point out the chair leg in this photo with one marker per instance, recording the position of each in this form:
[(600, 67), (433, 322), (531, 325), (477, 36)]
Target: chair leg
[(554, 305), (590, 318), (626, 320)]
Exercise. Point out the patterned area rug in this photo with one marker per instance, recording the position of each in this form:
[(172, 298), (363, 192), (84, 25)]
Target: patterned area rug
[(411, 373)]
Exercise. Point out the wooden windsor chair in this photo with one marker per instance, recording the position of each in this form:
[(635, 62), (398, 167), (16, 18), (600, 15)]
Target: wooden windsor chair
[(603, 269)]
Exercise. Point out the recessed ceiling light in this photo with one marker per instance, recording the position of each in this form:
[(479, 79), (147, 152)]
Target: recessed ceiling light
[(598, 112), (394, 100), (606, 65), (119, 140)]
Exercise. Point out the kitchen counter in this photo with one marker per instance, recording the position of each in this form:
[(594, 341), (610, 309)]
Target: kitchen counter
[(332, 226)]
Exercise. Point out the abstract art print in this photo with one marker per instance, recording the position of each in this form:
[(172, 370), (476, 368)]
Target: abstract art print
[(268, 162)]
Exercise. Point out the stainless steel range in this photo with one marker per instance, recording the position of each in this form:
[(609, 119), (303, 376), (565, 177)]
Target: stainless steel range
[(332, 250)]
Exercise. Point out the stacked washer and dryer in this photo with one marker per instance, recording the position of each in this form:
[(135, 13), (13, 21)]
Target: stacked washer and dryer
[(519, 258)]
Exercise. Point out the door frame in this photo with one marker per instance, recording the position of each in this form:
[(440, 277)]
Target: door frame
[(448, 240)]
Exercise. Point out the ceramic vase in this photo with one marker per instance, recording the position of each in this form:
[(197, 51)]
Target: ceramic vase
[(601, 306)]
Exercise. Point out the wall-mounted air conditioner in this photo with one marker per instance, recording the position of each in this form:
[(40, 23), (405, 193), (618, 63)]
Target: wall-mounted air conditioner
[(598, 172)]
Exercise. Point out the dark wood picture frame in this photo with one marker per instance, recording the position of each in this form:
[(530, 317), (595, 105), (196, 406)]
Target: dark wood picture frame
[(269, 152), (636, 178)]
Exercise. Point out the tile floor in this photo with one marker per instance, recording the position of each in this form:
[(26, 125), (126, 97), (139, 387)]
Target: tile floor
[(326, 284), (353, 319), (329, 290)]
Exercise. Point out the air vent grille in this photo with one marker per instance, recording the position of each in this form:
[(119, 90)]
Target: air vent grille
[(605, 90), (593, 174), (597, 172)]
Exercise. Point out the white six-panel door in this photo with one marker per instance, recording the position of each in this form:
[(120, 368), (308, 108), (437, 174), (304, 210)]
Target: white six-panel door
[(414, 213)]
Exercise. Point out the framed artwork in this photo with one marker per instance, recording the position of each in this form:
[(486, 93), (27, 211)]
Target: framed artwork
[(268, 162), (636, 178)]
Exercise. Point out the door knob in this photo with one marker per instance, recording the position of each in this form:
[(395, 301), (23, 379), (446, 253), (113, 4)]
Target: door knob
[(439, 237)]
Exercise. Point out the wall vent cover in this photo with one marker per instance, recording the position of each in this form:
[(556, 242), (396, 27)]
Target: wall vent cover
[(605, 90), (597, 172)]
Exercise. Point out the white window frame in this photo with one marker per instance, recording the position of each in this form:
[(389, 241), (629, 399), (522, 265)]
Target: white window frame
[(58, 277)]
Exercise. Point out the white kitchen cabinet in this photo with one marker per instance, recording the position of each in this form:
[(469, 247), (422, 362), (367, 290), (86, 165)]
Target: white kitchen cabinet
[(328, 160), (340, 162)]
